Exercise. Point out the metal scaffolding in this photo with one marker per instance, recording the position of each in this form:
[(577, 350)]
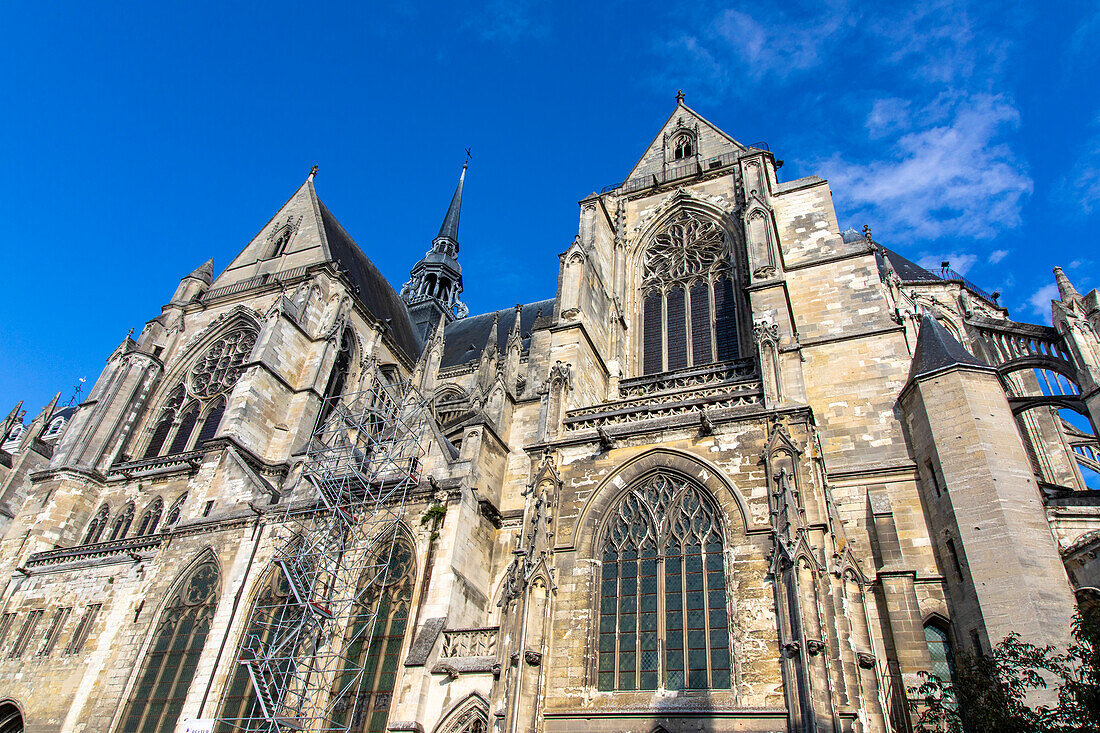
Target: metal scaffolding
[(306, 648)]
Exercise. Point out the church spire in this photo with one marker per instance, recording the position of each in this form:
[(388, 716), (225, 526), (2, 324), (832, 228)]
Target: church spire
[(435, 282), (449, 228)]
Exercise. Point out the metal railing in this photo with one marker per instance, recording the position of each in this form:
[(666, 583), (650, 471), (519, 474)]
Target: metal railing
[(696, 167)]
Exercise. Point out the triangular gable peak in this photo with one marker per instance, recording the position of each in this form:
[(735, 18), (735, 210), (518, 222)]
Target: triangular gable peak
[(304, 232), (684, 125), (293, 238)]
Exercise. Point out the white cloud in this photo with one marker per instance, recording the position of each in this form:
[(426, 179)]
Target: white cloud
[(997, 255), (1082, 186), (1040, 300), (961, 262), (955, 178), (888, 115)]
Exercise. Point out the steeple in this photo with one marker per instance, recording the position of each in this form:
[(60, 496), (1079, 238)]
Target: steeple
[(449, 228), (435, 282)]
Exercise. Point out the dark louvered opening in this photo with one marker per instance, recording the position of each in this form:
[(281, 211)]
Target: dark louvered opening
[(652, 355), (210, 425), (159, 436), (187, 426), (677, 328), (700, 324), (725, 313)]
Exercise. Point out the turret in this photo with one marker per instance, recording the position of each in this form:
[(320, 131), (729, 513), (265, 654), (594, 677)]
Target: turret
[(194, 284), (435, 282)]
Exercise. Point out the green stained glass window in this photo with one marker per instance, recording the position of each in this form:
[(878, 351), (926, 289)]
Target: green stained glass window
[(170, 661), (663, 585)]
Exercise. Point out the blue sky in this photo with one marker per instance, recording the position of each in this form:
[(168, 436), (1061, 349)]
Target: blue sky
[(141, 139)]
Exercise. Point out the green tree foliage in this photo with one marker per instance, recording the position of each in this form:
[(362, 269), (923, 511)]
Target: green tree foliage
[(989, 692)]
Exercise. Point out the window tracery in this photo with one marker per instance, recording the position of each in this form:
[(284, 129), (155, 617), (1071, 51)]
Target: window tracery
[(663, 586), (122, 522), (174, 512), (688, 304), (220, 367), (99, 522), (389, 607), (151, 518), (173, 654), (683, 147), (239, 701)]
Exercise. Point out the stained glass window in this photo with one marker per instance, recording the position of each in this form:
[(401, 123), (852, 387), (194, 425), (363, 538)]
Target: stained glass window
[(95, 529), (662, 579), (688, 304), (151, 518), (186, 427), (939, 647), (170, 661), (271, 611), (388, 606), (121, 524)]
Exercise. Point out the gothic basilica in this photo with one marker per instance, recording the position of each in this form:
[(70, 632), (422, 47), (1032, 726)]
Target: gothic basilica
[(744, 470)]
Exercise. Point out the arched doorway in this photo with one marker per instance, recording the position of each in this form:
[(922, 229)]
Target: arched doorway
[(11, 720)]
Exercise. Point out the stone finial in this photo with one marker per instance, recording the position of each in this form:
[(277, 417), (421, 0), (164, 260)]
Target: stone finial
[(312, 172), (1066, 291), (679, 96)]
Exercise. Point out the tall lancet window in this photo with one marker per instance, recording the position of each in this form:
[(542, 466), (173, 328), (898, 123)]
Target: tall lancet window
[(173, 654), (663, 587), (688, 299), (338, 379), (386, 608)]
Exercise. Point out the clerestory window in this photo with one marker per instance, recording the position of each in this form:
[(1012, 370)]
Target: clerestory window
[(689, 313), (663, 587)]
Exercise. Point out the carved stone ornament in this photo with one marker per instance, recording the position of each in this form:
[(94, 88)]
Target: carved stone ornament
[(687, 247), (791, 648), (764, 331), (815, 646), (866, 660), (219, 368), (532, 657)]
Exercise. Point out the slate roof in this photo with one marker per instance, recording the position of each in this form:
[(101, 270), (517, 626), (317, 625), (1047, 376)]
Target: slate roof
[(938, 349), (374, 291), (907, 270), (449, 228), (466, 338)]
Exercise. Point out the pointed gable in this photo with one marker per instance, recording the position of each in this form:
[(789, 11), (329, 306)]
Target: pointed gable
[(304, 232), (709, 141)]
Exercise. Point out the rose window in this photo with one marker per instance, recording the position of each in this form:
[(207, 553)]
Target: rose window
[(220, 367)]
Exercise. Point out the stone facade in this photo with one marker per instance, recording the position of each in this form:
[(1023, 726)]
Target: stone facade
[(727, 478)]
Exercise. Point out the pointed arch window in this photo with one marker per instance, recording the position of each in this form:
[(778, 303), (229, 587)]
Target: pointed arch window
[(683, 147), (174, 512), (188, 419), (211, 422), (151, 518), (95, 529), (273, 608), (338, 379), (939, 648), (663, 586), (122, 522), (165, 422), (688, 303), (388, 607), (173, 654)]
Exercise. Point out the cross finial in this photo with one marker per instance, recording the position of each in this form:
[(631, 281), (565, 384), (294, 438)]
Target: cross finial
[(313, 172), (467, 161), (679, 96)]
